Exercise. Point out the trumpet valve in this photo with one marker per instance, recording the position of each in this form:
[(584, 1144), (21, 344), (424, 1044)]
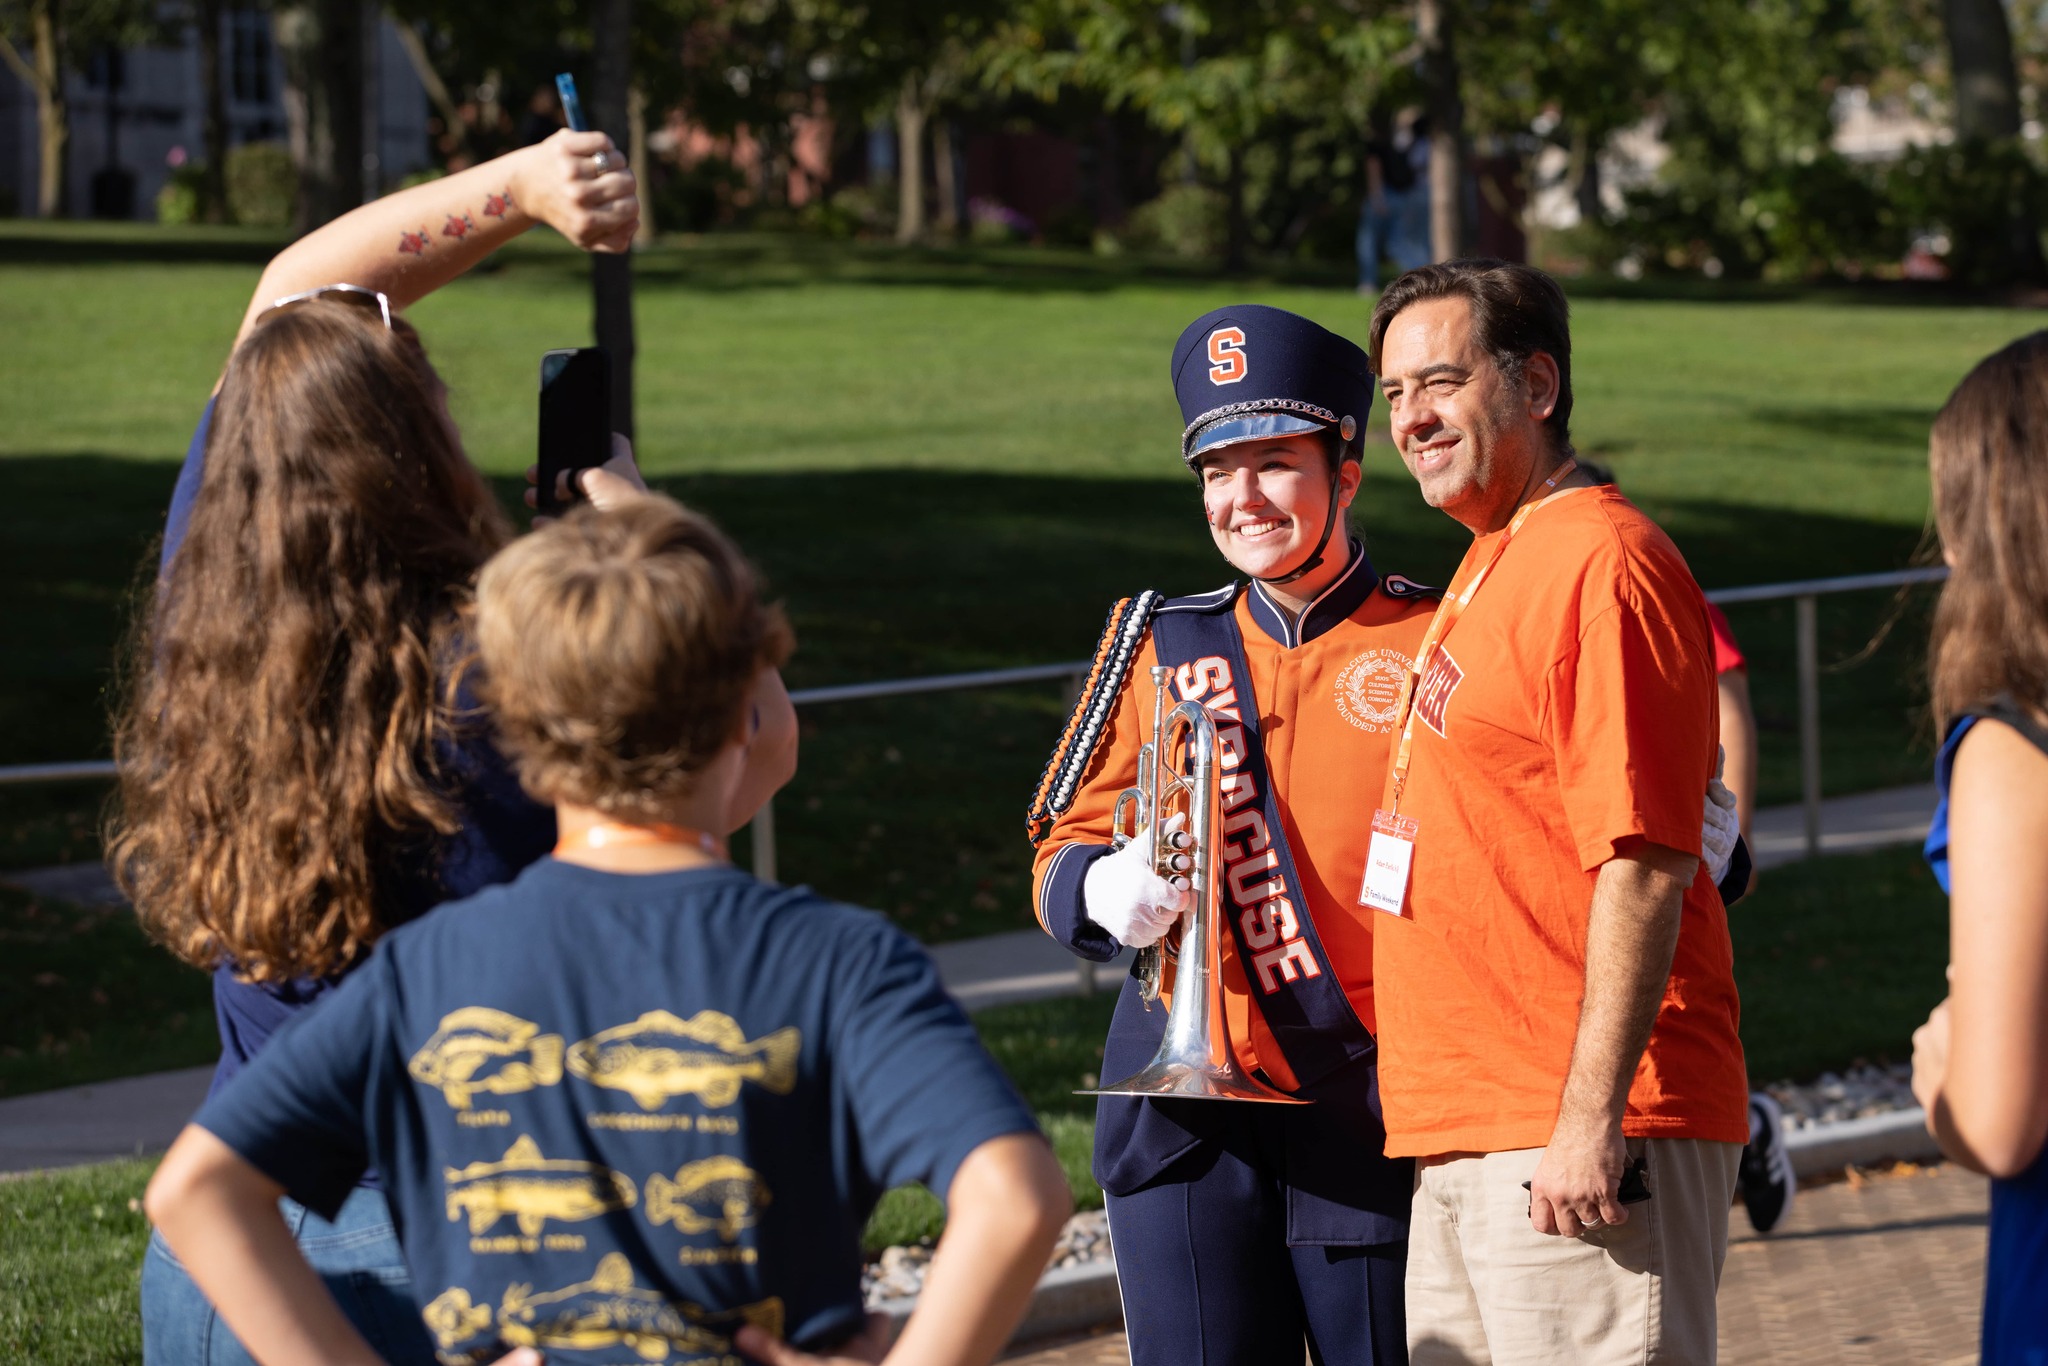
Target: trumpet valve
[(1180, 839), (1180, 863)]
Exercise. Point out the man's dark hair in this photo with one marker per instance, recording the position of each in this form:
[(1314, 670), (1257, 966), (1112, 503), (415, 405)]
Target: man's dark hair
[(1517, 311)]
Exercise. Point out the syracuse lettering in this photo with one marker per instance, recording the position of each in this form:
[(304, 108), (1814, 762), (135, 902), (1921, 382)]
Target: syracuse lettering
[(1433, 694), (1267, 917)]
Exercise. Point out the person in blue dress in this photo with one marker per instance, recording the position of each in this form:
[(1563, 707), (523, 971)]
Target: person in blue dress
[(634, 1105), (293, 781), (1980, 1063)]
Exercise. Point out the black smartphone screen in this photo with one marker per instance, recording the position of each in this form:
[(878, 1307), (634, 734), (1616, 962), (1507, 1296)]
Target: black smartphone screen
[(575, 416)]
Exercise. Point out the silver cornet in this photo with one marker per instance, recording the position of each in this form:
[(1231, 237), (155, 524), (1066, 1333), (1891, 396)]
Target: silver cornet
[(1180, 771)]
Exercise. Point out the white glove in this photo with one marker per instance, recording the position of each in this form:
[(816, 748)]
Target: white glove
[(1123, 895), (1719, 830)]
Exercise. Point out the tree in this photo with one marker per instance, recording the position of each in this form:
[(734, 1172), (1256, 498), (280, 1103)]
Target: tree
[(1987, 118), (908, 60), (1271, 100), (1744, 96), (213, 114), (322, 43), (45, 76), (1436, 27), (60, 35)]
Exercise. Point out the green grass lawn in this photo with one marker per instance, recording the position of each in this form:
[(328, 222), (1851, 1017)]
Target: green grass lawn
[(1838, 962), (71, 1266), (952, 461)]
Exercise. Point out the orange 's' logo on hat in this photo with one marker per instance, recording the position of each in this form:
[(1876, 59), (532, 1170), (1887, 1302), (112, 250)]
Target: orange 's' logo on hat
[(1226, 354)]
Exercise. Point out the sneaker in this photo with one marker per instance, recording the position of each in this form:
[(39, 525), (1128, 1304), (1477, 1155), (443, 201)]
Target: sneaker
[(1768, 1184)]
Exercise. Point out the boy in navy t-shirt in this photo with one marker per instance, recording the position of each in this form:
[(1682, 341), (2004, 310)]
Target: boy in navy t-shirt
[(635, 1105)]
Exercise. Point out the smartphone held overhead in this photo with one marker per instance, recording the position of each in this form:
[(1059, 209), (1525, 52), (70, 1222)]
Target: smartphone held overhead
[(575, 419)]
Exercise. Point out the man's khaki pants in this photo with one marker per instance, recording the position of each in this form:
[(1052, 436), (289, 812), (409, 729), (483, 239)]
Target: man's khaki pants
[(1486, 1289)]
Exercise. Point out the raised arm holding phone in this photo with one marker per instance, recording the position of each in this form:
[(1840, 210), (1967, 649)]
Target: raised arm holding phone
[(409, 244)]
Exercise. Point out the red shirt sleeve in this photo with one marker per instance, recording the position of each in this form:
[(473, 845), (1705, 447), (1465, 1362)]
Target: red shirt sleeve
[(1728, 655)]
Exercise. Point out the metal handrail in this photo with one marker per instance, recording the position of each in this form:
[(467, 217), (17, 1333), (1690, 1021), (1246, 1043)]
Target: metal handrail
[(1803, 593), (1847, 583), (57, 773), (898, 687)]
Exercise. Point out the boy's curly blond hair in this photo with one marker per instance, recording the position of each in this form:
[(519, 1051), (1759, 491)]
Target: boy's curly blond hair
[(618, 649)]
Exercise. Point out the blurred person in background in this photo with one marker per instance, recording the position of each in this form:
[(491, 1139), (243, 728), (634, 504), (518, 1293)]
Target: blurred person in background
[(295, 779), (1767, 1180), (1980, 1063), (1394, 220)]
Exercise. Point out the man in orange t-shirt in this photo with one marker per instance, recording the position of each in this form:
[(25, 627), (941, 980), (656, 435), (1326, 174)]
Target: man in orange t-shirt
[(1553, 975)]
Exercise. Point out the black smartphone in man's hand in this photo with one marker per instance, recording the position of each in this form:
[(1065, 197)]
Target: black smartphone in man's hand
[(575, 419)]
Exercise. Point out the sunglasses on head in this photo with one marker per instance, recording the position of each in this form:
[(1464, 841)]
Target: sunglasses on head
[(348, 294)]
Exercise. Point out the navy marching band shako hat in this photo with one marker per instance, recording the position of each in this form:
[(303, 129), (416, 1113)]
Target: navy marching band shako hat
[(1248, 372)]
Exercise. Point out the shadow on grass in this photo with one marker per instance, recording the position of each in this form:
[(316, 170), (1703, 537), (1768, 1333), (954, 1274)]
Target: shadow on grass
[(718, 263), (1838, 961), (89, 998), (914, 805), (1882, 293), (724, 262), (1879, 428), (31, 243)]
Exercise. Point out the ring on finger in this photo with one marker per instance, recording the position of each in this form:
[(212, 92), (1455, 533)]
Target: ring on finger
[(602, 161)]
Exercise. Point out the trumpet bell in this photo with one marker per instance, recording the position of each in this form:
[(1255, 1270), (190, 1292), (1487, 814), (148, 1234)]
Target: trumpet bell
[(1168, 1079)]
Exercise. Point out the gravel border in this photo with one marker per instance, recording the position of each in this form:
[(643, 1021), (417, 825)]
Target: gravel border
[(1862, 1092)]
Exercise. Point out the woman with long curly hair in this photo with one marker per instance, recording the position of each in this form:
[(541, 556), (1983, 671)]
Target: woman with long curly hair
[(1980, 1063), (299, 772)]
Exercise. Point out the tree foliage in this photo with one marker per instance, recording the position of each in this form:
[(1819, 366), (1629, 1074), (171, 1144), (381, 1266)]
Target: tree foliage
[(1271, 101), (1266, 107)]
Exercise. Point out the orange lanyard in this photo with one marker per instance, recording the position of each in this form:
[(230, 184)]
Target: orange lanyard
[(615, 834), (1447, 613)]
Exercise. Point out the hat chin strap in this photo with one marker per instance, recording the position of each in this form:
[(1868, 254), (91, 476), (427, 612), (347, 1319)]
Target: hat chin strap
[(1315, 557)]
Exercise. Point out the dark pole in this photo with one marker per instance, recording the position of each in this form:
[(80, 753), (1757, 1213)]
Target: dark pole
[(611, 277), (213, 180), (112, 58), (1436, 26)]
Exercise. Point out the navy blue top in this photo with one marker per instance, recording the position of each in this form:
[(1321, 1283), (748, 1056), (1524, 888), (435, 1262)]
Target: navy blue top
[(503, 830), (2016, 1271), (627, 1111)]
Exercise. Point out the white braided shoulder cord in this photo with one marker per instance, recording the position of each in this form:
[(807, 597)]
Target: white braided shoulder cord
[(1099, 706)]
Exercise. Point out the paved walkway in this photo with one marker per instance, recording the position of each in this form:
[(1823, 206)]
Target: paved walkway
[(1883, 1271), (1848, 825), (111, 1119)]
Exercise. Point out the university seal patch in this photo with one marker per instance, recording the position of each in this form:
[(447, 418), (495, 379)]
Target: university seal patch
[(1369, 689)]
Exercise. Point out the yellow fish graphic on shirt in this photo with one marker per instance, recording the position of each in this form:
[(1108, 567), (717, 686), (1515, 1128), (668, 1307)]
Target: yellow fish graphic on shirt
[(659, 1056), (720, 1193), (533, 1189), (451, 1318), (609, 1310), (478, 1049)]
